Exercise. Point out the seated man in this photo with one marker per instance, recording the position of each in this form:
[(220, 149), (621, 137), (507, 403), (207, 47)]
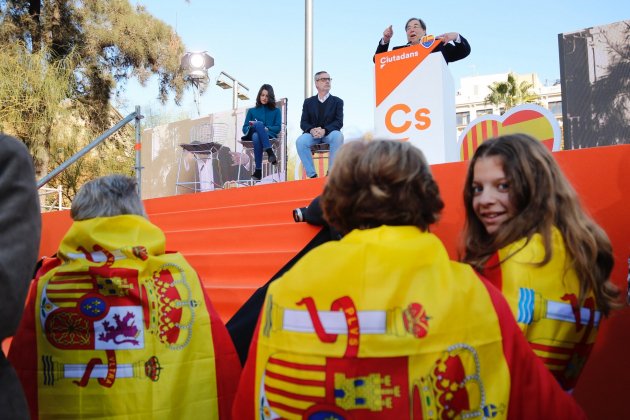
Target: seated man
[(381, 324), (116, 327), (322, 118)]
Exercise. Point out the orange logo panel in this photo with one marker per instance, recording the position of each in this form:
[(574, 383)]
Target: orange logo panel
[(394, 66)]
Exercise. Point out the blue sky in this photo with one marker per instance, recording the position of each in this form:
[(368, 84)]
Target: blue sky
[(263, 42)]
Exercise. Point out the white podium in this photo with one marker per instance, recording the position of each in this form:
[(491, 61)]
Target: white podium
[(415, 101)]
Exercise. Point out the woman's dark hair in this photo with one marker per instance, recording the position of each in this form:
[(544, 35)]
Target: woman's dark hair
[(271, 103)]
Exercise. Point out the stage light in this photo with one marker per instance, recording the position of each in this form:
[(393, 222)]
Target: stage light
[(196, 64)]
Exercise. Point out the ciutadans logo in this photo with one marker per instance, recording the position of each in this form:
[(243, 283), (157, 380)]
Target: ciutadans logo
[(402, 56)]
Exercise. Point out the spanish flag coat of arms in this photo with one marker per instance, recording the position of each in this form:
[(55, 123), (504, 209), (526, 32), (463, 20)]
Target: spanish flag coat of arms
[(117, 328), (383, 325)]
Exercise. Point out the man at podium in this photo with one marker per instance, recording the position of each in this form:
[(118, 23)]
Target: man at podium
[(453, 46)]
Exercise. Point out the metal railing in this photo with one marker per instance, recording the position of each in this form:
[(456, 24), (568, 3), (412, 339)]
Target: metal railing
[(56, 203), (138, 168)]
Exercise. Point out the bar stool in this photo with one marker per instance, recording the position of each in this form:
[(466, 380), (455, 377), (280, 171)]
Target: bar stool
[(321, 153), (267, 167), (205, 141), (204, 156)]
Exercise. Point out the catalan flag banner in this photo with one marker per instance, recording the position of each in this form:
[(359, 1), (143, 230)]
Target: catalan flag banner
[(375, 326), (415, 100), (121, 328), (530, 119), (545, 302)]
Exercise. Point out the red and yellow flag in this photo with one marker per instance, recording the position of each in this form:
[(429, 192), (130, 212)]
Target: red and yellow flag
[(123, 329)]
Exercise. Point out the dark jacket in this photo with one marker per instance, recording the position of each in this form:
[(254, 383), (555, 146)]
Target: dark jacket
[(333, 114), (20, 227), (451, 51)]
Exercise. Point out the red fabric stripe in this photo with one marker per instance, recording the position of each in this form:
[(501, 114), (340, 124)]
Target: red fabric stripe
[(492, 271), (522, 116), (291, 395), (551, 349), (466, 153), (300, 366), (285, 407), (52, 292), (56, 280), (474, 138), (553, 362), (484, 130), (548, 143), (495, 128), (296, 381), (23, 350), (244, 402), (227, 363)]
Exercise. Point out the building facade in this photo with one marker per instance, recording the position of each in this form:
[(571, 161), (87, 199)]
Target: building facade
[(470, 100)]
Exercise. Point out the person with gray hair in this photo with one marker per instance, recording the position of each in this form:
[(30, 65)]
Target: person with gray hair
[(108, 196), (20, 227), (322, 119), (119, 320)]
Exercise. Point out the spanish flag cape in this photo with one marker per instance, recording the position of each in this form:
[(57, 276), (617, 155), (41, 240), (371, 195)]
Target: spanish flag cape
[(382, 325), (545, 302), (117, 328)]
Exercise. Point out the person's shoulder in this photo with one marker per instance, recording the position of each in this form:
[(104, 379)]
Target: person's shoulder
[(336, 98)]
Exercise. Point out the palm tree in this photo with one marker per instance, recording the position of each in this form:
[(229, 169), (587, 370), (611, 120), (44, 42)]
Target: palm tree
[(510, 93)]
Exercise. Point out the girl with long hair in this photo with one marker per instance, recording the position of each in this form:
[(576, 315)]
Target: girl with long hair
[(528, 234)]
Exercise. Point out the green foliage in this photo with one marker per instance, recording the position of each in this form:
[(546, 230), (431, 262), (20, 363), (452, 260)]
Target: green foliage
[(62, 61), (510, 93), (32, 95), (34, 107)]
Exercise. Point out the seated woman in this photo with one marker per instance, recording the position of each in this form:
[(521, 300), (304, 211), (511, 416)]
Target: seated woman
[(528, 234), (116, 327), (261, 123), (381, 324)]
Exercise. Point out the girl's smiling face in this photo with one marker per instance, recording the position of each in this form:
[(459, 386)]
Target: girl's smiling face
[(491, 193)]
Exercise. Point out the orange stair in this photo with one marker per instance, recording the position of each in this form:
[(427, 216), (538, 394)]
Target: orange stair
[(236, 239)]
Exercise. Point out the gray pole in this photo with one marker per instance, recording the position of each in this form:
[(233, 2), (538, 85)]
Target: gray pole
[(308, 48), (138, 117)]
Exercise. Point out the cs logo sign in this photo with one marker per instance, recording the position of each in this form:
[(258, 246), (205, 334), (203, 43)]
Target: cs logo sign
[(399, 118)]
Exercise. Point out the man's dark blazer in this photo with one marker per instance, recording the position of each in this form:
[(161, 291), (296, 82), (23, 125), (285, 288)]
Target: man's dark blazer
[(20, 229), (451, 51), (333, 114)]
